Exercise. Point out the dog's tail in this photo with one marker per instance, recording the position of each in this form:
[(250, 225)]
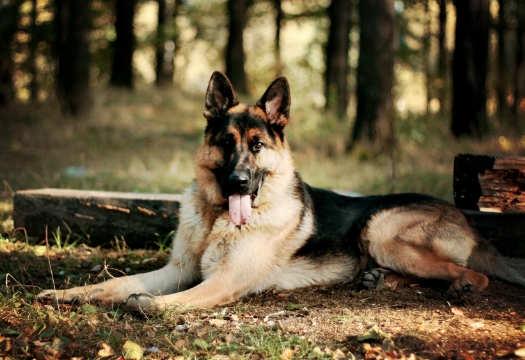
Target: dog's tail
[(487, 260)]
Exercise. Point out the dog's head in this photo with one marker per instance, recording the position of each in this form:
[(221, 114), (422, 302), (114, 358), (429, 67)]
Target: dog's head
[(242, 144)]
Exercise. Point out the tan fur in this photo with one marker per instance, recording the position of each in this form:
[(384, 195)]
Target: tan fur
[(427, 241)]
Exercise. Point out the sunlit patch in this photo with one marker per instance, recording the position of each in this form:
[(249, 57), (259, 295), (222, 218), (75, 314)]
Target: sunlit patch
[(505, 143)]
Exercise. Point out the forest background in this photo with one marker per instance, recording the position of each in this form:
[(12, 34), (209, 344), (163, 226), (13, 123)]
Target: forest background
[(109, 94)]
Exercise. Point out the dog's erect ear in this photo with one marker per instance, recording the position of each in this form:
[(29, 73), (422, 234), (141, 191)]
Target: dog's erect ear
[(220, 96), (276, 102)]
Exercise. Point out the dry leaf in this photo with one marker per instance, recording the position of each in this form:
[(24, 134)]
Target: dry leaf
[(456, 311), (217, 322), (106, 350), (131, 350), (287, 354), (520, 353)]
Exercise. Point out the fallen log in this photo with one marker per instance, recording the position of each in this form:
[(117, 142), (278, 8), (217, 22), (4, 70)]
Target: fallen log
[(142, 218), (489, 183), (100, 216)]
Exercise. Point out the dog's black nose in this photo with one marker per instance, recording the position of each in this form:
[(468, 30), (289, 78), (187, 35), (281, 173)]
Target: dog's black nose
[(238, 180)]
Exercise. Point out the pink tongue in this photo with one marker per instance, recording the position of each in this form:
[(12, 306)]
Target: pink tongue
[(240, 208)]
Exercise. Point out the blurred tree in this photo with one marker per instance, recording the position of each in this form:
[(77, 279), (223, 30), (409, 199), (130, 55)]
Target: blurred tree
[(8, 18), (33, 44), (502, 79), (443, 57), (374, 123), (519, 88), (235, 56), (279, 17), (124, 44), (336, 73), (166, 42), (73, 25), (469, 68)]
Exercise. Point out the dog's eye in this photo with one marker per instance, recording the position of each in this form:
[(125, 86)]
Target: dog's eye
[(258, 145)]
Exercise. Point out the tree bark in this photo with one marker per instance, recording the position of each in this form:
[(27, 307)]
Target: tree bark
[(235, 57), (374, 123), (124, 45), (469, 68), (519, 88), (166, 41), (73, 21), (100, 216), (443, 57), (336, 84), (8, 17)]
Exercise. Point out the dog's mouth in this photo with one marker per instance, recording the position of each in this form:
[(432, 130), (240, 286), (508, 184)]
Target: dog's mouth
[(240, 206)]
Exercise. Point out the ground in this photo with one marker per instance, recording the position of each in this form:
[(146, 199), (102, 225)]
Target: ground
[(419, 321)]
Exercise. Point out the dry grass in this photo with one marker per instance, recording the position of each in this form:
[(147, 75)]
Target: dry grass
[(145, 141)]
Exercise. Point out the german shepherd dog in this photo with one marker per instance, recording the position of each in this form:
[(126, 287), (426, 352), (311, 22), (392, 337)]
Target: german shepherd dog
[(249, 223)]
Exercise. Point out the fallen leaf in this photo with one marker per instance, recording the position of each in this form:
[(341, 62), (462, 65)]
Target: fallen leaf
[(338, 355), (9, 332), (48, 333), (375, 333), (106, 350), (287, 354), (456, 311), (217, 322), (292, 307), (202, 344), (131, 350), (522, 327), (39, 250), (520, 353), (88, 309), (181, 343)]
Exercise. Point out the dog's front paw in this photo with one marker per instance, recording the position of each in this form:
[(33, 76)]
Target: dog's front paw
[(69, 296), (141, 302)]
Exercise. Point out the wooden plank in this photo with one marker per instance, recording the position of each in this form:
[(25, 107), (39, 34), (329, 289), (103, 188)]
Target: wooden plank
[(138, 218), (489, 183)]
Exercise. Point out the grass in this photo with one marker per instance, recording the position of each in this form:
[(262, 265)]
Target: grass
[(145, 141)]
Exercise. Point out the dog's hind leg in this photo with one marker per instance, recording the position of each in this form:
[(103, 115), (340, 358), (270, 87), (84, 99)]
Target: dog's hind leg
[(379, 279), (431, 242)]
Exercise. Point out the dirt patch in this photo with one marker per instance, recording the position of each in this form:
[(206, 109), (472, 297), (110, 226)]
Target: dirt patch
[(335, 321)]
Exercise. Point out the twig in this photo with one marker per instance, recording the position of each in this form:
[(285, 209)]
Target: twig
[(51, 271)]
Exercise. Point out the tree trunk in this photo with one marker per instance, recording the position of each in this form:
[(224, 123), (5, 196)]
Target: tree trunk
[(124, 45), (336, 84), (33, 48), (426, 57), (374, 124), (443, 57), (519, 92), (8, 17), (73, 21), (234, 50), (469, 68), (279, 16), (165, 53), (501, 86)]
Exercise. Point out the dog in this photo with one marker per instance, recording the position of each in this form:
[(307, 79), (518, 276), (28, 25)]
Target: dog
[(249, 222)]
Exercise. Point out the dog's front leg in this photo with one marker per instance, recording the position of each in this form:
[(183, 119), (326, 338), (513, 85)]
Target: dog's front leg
[(229, 272), (173, 277)]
